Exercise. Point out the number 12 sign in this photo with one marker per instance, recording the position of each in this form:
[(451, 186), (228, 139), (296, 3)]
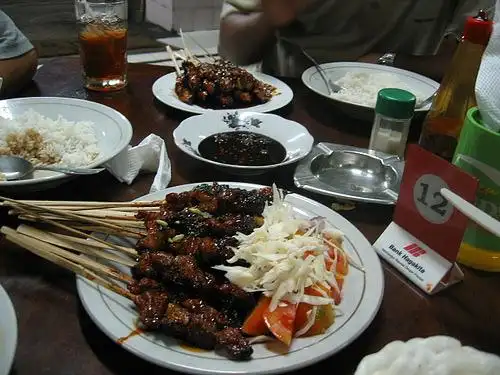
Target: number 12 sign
[(425, 236)]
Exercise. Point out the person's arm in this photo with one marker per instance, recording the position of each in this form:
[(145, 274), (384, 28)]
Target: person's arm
[(17, 72), (18, 58), (248, 27), (244, 37), (432, 66)]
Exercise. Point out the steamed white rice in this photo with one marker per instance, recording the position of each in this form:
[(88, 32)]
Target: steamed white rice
[(362, 88), (43, 140)]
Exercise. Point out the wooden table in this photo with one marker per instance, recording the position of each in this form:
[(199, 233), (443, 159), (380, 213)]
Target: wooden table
[(57, 337)]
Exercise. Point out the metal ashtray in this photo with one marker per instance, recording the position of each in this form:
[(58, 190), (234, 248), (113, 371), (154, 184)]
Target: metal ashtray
[(351, 173)]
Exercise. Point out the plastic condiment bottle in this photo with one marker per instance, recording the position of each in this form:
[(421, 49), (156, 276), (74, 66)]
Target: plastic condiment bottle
[(393, 114), (442, 126)]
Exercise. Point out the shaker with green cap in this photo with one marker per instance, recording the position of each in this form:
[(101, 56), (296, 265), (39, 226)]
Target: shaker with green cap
[(393, 114)]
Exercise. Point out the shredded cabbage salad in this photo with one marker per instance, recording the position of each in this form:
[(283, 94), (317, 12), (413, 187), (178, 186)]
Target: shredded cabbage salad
[(286, 256)]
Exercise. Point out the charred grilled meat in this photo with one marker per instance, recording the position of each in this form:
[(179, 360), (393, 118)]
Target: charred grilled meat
[(220, 85), (176, 288), (186, 228), (184, 271), (192, 321), (196, 223), (208, 250), (219, 199)]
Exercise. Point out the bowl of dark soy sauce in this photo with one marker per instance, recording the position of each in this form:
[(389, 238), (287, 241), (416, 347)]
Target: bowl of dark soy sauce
[(242, 148), (243, 143)]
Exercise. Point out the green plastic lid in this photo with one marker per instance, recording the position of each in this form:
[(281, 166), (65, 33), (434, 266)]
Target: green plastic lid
[(395, 103)]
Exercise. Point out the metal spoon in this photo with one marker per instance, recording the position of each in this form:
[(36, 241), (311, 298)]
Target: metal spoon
[(15, 168), (427, 101), (332, 87)]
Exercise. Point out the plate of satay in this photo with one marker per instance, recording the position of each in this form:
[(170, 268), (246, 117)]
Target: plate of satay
[(218, 85), (213, 278)]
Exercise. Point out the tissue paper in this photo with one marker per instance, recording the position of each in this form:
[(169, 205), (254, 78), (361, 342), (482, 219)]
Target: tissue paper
[(488, 79), (150, 155)]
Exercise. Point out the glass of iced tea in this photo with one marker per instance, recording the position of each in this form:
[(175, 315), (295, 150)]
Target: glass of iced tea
[(102, 33)]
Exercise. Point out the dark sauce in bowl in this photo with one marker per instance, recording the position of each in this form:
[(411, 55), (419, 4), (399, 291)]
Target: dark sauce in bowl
[(242, 148)]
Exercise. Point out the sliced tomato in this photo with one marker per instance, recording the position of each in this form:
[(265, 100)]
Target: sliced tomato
[(254, 324), (342, 263), (301, 316), (318, 291), (337, 294), (325, 317), (281, 321)]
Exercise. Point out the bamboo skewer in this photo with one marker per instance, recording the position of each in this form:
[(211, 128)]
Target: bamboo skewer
[(128, 224), (112, 232), (174, 60), (31, 243), (179, 56), (69, 215), (71, 266), (86, 204), (87, 242), (188, 53), (207, 54), (80, 209), (79, 232), (106, 214), (81, 248)]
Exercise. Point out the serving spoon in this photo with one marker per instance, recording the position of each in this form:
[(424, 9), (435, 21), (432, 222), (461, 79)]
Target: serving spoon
[(15, 168)]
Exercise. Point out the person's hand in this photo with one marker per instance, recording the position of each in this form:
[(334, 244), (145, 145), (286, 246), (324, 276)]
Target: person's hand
[(280, 13)]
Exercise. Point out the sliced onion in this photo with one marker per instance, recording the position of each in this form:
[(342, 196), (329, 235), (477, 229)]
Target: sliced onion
[(310, 322), (316, 301), (260, 339)]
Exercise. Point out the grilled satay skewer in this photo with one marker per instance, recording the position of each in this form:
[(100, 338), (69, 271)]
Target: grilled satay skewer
[(183, 270), (193, 321)]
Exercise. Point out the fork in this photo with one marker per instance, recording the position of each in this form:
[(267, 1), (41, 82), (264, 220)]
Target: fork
[(331, 87)]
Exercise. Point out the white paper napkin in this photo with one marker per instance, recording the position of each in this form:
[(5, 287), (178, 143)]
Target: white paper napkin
[(488, 79), (150, 156)]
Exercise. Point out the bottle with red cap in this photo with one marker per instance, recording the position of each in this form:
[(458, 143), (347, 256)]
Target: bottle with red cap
[(442, 126)]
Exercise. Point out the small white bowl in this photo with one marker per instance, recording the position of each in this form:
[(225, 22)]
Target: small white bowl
[(293, 136)]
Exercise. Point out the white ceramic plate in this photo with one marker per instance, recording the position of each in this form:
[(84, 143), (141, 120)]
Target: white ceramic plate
[(363, 292), (334, 71), (8, 333), (113, 131), (163, 90), (292, 135)]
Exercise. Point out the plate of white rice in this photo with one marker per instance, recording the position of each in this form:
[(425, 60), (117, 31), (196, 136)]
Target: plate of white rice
[(59, 132), (361, 83)]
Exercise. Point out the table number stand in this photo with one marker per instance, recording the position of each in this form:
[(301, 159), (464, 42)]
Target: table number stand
[(424, 238)]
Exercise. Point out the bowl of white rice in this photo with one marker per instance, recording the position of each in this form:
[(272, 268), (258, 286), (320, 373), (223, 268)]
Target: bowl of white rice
[(59, 132), (361, 83)]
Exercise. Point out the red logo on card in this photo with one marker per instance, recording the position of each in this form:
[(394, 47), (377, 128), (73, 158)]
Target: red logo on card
[(414, 250)]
